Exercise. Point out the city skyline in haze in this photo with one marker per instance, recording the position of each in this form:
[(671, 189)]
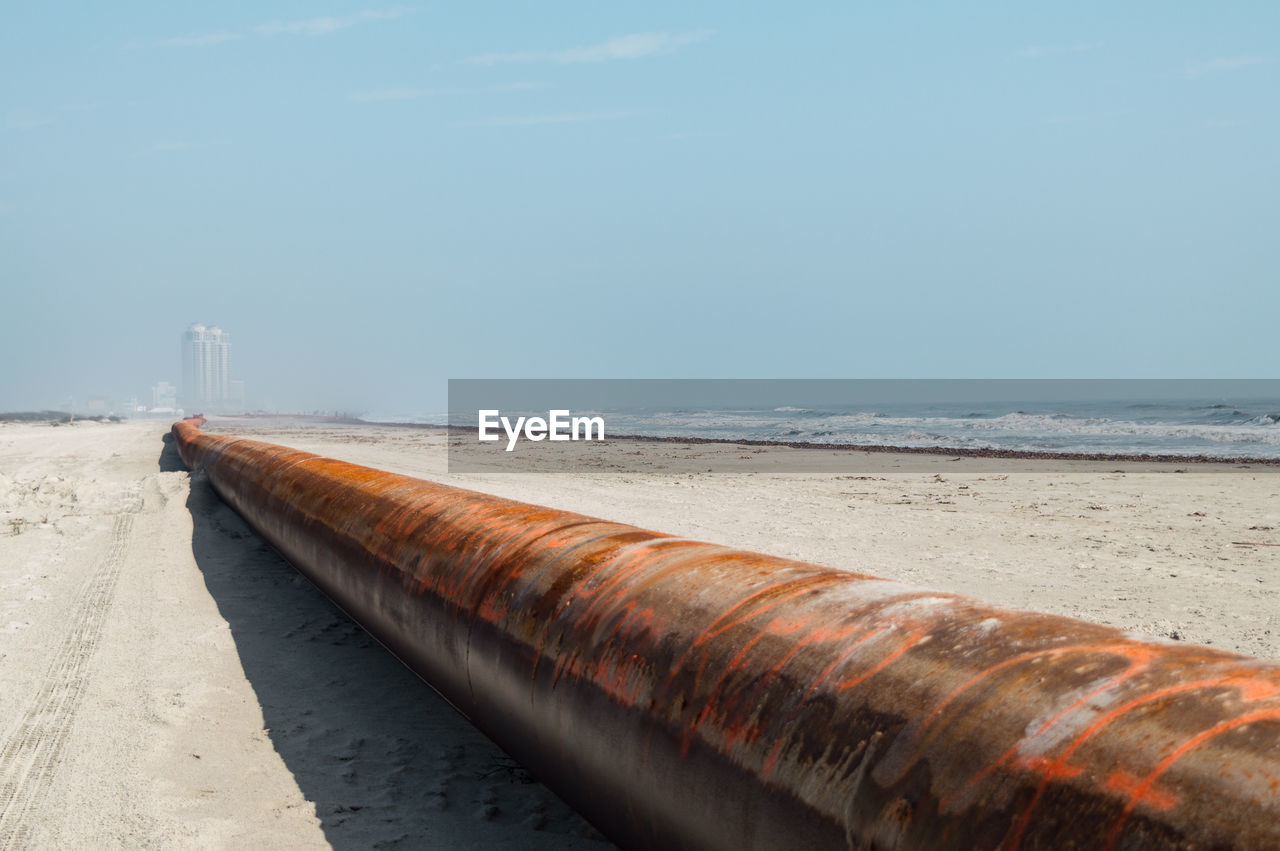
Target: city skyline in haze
[(377, 198)]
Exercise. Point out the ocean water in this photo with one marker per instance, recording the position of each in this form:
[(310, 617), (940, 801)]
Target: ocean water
[(1203, 427), (1245, 428)]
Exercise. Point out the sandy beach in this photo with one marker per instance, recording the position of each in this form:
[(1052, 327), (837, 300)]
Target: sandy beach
[(166, 680)]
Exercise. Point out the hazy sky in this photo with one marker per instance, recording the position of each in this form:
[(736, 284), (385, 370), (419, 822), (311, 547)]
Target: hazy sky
[(372, 199)]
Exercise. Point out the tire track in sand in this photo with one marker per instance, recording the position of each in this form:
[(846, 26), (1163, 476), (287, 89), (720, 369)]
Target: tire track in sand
[(33, 749)]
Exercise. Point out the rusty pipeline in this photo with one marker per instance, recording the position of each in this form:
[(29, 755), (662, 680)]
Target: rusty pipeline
[(681, 694)]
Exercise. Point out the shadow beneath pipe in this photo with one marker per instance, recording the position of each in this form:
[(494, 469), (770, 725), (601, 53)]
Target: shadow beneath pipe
[(386, 761)]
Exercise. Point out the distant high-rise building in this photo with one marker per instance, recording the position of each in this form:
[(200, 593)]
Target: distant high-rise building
[(206, 367), (164, 395)]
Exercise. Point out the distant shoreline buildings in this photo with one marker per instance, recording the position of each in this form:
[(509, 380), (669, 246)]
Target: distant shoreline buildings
[(164, 395)]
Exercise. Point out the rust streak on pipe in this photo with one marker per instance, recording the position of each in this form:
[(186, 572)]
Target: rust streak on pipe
[(687, 695)]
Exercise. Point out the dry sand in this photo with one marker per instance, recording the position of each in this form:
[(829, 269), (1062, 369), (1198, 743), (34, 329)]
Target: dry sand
[(165, 680)]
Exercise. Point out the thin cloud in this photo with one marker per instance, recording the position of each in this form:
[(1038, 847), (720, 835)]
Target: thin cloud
[(633, 46), (199, 40), (25, 122), (1196, 70), (532, 120), (303, 27), (325, 25), (1045, 51), (414, 94)]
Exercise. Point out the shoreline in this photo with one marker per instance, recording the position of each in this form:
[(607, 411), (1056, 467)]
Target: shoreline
[(967, 452), (961, 452)]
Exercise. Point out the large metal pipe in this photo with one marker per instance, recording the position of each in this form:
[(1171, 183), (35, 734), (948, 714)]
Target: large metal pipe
[(685, 695)]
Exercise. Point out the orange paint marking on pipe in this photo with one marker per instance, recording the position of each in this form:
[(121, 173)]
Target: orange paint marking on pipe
[(1142, 793)]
